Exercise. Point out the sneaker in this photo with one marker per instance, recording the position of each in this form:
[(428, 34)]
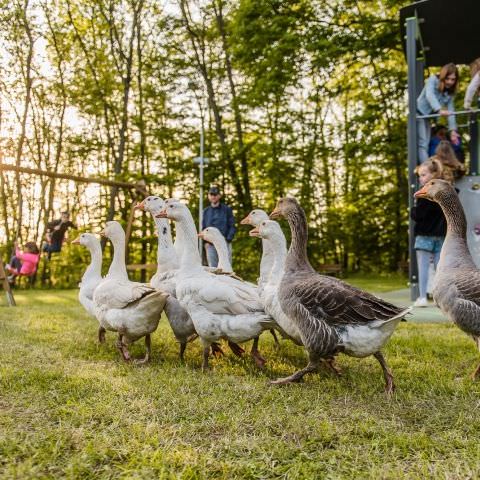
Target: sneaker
[(421, 302)]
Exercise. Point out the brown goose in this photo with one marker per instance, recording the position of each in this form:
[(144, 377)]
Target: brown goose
[(457, 281), (331, 315)]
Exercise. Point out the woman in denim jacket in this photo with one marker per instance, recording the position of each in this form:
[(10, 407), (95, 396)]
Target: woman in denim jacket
[(437, 97)]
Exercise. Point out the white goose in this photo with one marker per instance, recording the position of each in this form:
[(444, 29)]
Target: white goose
[(273, 241), (220, 306), (92, 276), (255, 218), (214, 236), (165, 277), (130, 308)]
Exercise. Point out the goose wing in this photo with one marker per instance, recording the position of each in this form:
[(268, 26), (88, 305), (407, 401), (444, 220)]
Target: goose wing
[(119, 294), (468, 286), (339, 303)]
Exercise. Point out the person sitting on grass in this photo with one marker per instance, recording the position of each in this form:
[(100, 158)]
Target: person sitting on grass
[(23, 263)]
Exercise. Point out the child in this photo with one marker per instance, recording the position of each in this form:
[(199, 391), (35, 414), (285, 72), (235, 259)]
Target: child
[(439, 91), (474, 85), (453, 169), (23, 263), (430, 228)]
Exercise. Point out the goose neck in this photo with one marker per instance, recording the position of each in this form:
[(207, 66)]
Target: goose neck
[(118, 267), (166, 255), (188, 233), (95, 268), (297, 258), (223, 257)]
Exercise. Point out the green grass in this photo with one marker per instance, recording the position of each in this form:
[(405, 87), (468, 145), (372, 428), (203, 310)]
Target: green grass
[(69, 408), (378, 282)]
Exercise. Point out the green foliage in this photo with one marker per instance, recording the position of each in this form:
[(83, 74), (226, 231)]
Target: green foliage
[(298, 97)]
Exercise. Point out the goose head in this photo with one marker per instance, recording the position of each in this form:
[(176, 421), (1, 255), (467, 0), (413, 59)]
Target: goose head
[(285, 207), (113, 231), (211, 234), (88, 240), (151, 204), (173, 210), (267, 229), (255, 217), (435, 190)]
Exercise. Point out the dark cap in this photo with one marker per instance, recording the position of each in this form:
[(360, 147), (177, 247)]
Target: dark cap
[(214, 190)]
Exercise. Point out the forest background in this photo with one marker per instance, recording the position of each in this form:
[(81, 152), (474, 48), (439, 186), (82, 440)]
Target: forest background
[(298, 97)]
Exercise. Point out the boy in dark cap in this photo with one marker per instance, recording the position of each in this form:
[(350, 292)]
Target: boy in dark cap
[(220, 216), (56, 233)]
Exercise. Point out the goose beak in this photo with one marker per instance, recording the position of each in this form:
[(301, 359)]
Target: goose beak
[(421, 193), (162, 214), (140, 206), (275, 214), (246, 220), (254, 232), (200, 235), (76, 241)]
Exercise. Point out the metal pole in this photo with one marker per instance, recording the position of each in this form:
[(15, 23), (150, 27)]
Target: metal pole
[(474, 144), (411, 25), (200, 203)]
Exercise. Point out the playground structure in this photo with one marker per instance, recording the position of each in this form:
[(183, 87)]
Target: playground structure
[(435, 33), (139, 190)]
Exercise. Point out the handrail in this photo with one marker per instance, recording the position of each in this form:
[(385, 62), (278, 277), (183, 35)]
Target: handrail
[(436, 115)]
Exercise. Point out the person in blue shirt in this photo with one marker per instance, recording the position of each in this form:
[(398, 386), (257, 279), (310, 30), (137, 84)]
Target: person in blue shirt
[(220, 216), (437, 97)]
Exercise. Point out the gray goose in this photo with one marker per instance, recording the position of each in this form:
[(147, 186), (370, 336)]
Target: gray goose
[(456, 287), (331, 315)]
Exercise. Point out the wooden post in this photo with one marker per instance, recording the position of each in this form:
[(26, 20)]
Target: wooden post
[(6, 285)]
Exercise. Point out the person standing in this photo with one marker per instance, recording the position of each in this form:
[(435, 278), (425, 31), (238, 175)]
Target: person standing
[(220, 216), (437, 97), (474, 85)]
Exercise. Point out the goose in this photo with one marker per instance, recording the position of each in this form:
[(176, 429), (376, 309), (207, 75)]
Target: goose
[(331, 315), (274, 240), (164, 278), (214, 236), (220, 306), (456, 288), (92, 276), (130, 308), (255, 218)]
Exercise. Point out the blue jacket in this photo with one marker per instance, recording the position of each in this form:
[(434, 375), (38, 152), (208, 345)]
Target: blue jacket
[(431, 101), (222, 218)]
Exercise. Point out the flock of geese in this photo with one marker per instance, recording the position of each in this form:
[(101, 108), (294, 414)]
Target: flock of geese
[(323, 314)]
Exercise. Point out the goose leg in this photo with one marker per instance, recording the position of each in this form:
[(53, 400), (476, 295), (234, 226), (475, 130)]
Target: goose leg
[(148, 346), (123, 348), (217, 349), (183, 346), (236, 349), (297, 376), (101, 335), (476, 373), (330, 363), (389, 385), (255, 353), (275, 338), (206, 353)]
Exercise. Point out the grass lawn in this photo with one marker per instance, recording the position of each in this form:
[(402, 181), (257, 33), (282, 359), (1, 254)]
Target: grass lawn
[(69, 408)]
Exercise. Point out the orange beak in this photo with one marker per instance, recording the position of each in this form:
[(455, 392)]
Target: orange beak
[(200, 235), (162, 214), (140, 206), (421, 193), (254, 232), (275, 214), (246, 220), (76, 241)]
